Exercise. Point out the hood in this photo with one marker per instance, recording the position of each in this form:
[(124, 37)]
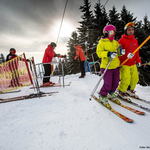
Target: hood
[(50, 47), (78, 46)]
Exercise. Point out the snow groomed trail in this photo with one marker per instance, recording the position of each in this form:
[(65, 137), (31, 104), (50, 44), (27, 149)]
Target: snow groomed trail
[(68, 120)]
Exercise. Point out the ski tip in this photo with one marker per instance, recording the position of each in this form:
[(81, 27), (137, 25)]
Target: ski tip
[(142, 113), (129, 121)]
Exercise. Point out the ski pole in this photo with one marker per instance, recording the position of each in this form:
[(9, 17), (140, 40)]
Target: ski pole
[(95, 88), (145, 64), (137, 49)]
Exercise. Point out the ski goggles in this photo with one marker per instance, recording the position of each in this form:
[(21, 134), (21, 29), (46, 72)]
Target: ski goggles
[(111, 32), (129, 25)]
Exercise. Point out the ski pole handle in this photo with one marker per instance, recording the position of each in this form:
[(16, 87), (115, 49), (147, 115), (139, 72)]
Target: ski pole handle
[(137, 49)]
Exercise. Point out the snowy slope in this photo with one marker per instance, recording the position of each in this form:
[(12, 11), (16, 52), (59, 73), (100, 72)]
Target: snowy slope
[(68, 120)]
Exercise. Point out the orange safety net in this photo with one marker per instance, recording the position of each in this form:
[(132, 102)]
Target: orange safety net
[(14, 74)]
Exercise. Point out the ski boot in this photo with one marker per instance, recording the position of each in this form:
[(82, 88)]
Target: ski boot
[(104, 101), (131, 93), (113, 97), (123, 96), (51, 83), (46, 84)]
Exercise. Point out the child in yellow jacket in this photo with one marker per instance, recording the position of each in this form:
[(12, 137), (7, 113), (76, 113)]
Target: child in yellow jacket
[(108, 50)]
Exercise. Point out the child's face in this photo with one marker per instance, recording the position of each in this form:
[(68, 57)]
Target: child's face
[(130, 31), (111, 33)]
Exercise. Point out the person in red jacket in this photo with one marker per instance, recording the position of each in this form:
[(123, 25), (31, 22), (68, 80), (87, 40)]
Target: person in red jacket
[(47, 58), (81, 56), (128, 71)]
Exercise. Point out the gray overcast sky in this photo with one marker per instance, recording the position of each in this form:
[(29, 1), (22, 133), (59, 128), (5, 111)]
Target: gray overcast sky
[(30, 25)]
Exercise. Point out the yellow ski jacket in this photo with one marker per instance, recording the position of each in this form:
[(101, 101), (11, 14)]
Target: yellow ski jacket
[(105, 46)]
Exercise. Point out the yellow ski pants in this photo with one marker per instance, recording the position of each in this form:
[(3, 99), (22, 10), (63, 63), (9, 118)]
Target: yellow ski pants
[(128, 76)]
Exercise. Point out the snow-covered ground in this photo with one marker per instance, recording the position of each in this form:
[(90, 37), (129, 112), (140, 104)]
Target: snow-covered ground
[(68, 120)]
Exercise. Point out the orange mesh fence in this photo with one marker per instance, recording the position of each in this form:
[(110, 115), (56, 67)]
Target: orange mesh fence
[(14, 74)]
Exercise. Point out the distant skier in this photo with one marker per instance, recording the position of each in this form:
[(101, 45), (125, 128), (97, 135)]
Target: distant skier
[(11, 55), (81, 56), (47, 59), (128, 71), (13, 66), (108, 49)]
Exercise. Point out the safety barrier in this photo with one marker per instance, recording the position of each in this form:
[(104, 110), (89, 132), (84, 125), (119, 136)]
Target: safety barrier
[(40, 71), (92, 66), (15, 74)]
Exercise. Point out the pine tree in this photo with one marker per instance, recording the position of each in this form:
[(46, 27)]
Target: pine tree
[(125, 17), (100, 20), (146, 25), (2, 58), (86, 26), (114, 19), (72, 66), (142, 31)]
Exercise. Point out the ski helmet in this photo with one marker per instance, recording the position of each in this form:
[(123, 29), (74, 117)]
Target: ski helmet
[(53, 44), (107, 29), (12, 49), (128, 25)]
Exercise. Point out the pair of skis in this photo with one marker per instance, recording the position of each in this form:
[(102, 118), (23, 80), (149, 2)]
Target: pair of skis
[(52, 85), (26, 97), (114, 111), (136, 104), (142, 100), (10, 92), (127, 107)]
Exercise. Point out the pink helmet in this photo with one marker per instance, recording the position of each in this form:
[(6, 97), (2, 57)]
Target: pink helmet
[(108, 28)]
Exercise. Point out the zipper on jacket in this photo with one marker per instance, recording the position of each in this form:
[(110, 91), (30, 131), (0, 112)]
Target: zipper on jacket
[(131, 47)]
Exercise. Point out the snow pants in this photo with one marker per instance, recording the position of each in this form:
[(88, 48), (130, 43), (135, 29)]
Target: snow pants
[(47, 68), (111, 81), (128, 76), (86, 66), (82, 68)]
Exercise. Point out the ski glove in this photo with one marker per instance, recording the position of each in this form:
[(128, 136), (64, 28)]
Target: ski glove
[(130, 55), (139, 65), (123, 51), (63, 56), (112, 54), (56, 55)]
